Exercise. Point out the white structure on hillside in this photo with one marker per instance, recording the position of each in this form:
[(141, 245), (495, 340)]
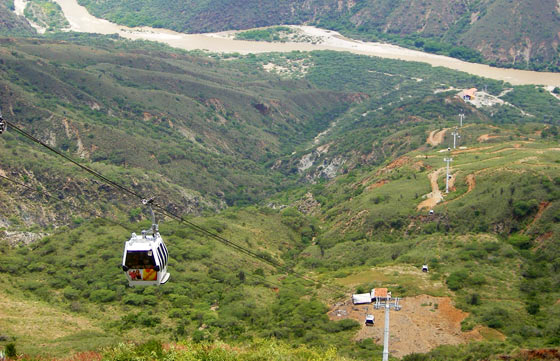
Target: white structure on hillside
[(376, 294)]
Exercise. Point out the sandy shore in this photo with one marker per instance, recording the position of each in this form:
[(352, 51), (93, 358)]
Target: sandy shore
[(81, 21)]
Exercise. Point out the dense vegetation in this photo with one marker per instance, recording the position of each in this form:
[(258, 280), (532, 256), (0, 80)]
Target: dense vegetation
[(473, 31), (204, 133), (46, 13)]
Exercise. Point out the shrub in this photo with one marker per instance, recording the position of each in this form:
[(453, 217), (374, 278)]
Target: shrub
[(473, 299), (456, 280), (103, 296), (533, 307), (11, 350), (151, 349), (70, 293), (496, 317), (524, 208), (416, 357), (520, 241), (133, 299)]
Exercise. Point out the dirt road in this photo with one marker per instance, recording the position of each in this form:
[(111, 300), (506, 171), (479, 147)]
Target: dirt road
[(435, 137), (486, 137), (435, 196)]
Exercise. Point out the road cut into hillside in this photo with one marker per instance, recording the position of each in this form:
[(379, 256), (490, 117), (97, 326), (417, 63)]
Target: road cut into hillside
[(424, 323), (471, 183), (487, 137), (435, 196), (436, 137)]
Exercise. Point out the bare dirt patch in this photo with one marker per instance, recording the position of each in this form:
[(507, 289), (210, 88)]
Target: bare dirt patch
[(471, 183), (435, 196), (423, 323), (377, 184), (471, 150), (436, 138), (397, 163), (486, 137)]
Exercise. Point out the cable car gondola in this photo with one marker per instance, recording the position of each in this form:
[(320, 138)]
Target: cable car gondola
[(2, 123), (145, 257), (370, 320)]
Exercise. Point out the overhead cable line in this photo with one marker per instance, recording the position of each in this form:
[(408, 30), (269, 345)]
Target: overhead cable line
[(83, 167), (177, 217), (56, 199)]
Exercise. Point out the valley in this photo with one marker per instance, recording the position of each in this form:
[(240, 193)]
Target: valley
[(297, 178), (81, 21)]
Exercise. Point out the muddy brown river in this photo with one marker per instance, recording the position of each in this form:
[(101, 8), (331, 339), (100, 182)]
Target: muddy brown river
[(82, 21)]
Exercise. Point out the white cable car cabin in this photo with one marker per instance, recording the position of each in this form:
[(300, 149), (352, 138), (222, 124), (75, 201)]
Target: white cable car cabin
[(145, 258), (370, 320)]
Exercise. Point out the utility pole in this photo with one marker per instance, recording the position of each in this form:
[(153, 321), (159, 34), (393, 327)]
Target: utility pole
[(447, 176), (455, 135), (461, 117), (388, 303)]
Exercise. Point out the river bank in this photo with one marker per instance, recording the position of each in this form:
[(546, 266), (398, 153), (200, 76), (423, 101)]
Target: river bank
[(82, 21)]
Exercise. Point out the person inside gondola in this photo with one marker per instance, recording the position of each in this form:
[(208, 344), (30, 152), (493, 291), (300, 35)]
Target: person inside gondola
[(140, 259)]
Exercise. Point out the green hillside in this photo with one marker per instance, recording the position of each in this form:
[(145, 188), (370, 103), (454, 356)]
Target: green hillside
[(10, 23), (523, 35), (197, 123), (325, 163)]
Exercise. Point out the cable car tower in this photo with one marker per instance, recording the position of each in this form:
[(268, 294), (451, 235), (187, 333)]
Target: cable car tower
[(145, 256), (455, 135), (447, 175), (387, 303)]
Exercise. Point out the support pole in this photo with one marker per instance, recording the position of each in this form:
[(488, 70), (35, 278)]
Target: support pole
[(386, 333), (461, 117), (455, 135), (447, 175)]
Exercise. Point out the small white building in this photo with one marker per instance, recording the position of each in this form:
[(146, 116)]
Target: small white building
[(381, 294), (361, 298)]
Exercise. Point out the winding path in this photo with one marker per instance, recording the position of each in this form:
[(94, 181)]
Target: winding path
[(435, 137), (435, 196)]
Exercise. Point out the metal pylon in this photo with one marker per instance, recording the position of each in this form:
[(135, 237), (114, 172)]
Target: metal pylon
[(388, 303), (447, 175)]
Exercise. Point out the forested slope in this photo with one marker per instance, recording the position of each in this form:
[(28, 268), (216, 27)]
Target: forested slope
[(320, 162)]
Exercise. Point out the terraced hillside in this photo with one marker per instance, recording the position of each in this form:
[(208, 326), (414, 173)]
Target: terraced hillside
[(520, 34)]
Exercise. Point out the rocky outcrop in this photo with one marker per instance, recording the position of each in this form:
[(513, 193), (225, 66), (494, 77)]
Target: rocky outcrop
[(17, 238)]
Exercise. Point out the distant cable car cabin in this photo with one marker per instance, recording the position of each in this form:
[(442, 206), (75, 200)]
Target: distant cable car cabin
[(146, 257), (2, 123), (370, 320), (425, 268)]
